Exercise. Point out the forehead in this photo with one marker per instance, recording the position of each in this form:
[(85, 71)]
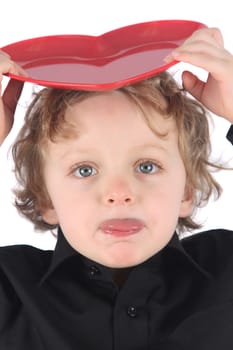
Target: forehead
[(112, 123), (117, 107)]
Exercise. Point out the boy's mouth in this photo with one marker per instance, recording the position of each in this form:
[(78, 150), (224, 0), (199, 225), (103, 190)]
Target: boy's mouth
[(122, 227)]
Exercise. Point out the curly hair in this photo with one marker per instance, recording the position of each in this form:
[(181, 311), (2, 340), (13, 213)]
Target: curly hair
[(45, 120)]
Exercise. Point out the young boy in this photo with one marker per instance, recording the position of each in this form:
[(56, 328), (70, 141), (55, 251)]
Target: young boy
[(117, 173)]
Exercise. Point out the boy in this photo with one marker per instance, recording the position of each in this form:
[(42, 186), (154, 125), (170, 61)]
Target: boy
[(117, 173)]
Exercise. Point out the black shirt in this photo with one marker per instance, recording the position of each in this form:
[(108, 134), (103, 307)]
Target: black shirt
[(181, 298)]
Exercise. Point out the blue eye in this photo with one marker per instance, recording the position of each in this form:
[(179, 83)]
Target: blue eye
[(85, 171), (147, 167)]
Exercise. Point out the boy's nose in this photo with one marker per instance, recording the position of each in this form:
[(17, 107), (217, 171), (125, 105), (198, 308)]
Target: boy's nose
[(118, 193)]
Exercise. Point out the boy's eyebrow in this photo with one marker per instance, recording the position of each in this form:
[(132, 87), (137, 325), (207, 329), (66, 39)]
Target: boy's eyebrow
[(135, 148), (153, 146), (75, 152)]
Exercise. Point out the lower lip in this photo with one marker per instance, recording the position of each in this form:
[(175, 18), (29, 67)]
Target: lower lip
[(122, 228), (117, 233)]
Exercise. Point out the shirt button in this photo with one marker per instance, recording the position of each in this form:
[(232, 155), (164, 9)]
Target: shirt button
[(93, 271), (132, 311)]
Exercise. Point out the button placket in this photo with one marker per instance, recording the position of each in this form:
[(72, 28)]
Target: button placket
[(93, 271), (130, 325), (132, 311)]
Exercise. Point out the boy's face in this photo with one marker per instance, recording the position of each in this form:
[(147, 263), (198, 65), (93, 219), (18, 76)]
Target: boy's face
[(117, 189)]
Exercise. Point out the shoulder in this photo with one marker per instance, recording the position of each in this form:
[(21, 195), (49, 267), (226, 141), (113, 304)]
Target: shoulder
[(212, 249), (219, 239), (24, 258), (21, 267)]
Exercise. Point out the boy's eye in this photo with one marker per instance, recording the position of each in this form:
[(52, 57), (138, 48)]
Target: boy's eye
[(147, 167), (85, 171)]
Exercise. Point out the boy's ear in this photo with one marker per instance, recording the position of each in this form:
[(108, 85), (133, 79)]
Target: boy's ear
[(50, 216), (186, 207)]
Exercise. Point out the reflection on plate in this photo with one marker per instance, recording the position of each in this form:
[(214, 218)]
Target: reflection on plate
[(113, 59)]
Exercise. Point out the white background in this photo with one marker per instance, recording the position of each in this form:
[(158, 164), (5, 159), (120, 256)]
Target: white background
[(23, 19)]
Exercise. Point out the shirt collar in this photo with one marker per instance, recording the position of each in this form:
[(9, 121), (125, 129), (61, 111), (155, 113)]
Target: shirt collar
[(64, 251)]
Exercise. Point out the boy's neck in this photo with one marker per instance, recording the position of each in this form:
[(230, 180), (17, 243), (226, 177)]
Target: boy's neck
[(120, 276)]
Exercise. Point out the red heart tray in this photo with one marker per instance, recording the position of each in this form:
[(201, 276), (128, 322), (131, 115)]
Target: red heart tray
[(113, 59)]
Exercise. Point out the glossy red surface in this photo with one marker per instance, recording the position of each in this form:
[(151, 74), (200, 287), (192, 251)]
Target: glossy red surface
[(113, 59)]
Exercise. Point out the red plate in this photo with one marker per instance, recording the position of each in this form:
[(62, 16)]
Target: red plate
[(113, 59)]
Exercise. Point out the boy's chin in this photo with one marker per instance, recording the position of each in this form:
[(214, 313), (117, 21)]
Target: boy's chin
[(123, 263)]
